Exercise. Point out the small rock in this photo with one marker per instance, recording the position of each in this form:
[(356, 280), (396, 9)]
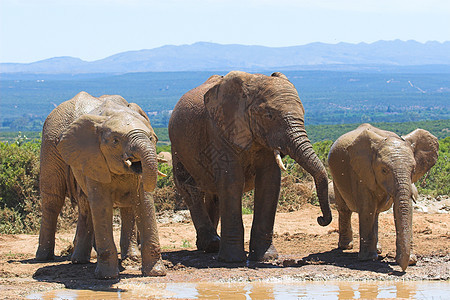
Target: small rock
[(289, 262)]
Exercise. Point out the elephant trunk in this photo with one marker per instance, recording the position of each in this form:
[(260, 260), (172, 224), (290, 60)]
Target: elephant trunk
[(403, 223), (145, 151), (300, 149)]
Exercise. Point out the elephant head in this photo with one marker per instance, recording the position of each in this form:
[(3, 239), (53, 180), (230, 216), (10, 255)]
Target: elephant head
[(389, 165), (254, 108), (112, 139)]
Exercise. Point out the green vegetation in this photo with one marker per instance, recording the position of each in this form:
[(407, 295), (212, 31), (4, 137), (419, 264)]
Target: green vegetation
[(163, 137), (186, 244), (437, 180), (19, 184), (316, 133), (439, 128)]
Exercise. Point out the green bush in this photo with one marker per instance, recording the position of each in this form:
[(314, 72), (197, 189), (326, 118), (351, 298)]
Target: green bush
[(437, 180), (19, 186), (20, 201), (166, 196)]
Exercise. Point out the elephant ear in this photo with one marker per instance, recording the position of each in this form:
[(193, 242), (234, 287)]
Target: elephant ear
[(426, 151), (79, 146), (226, 104), (361, 153)]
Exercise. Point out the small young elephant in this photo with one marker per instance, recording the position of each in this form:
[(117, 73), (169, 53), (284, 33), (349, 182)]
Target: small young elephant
[(373, 169), (101, 151)]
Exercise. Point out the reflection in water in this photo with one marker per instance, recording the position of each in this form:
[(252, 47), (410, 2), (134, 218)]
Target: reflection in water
[(262, 290)]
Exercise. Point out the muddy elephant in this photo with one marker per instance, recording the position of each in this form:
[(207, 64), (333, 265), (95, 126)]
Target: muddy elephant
[(165, 157), (102, 152), (373, 169), (228, 136)]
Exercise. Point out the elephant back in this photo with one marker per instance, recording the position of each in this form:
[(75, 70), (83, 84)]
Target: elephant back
[(67, 112)]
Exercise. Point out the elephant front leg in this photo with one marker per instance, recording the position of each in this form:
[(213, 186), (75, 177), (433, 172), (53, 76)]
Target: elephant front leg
[(267, 190), (128, 235), (102, 217), (152, 264), (84, 236), (368, 231), (230, 186)]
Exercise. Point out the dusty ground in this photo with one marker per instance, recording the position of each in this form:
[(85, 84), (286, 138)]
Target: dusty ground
[(307, 251)]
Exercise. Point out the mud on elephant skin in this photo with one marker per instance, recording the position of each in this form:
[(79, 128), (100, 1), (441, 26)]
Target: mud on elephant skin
[(100, 152), (372, 170), (228, 136)]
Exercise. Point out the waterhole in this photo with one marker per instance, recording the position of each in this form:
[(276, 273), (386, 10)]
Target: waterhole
[(261, 290)]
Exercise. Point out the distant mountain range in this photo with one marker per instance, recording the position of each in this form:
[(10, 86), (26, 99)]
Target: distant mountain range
[(209, 56)]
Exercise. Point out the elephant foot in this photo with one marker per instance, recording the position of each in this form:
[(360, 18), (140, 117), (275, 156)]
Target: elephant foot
[(372, 255), (232, 254), (81, 256), (345, 245), (210, 245), (103, 271), (270, 254), (44, 255), (404, 261), (156, 269), (208, 240), (80, 259), (132, 254)]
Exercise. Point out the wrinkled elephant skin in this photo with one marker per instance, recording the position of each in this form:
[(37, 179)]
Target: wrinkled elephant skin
[(101, 153), (228, 136), (372, 170)]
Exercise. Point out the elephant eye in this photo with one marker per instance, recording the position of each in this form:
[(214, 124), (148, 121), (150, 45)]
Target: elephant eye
[(385, 171), (115, 141)]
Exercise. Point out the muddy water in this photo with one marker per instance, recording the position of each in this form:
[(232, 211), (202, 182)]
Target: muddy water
[(262, 290)]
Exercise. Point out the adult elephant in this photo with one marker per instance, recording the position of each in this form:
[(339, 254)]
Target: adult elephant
[(227, 137), (102, 152), (373, 169)]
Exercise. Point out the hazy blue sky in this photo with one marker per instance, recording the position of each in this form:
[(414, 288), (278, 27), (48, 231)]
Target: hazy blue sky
[(32, 30)]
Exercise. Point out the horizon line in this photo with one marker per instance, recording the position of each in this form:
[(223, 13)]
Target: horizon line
[(226, 44)]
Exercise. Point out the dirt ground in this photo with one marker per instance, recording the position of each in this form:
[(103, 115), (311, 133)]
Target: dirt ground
[(307, 251)]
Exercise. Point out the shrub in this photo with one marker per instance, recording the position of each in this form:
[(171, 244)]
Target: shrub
[(437, 180), (19, 186), (166, 196)]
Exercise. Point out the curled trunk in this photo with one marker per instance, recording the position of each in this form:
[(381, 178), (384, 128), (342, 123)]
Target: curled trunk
[(300, 149), (145, 152), (403, 224)]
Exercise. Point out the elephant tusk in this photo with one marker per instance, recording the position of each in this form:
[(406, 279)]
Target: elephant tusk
[(128, 163), (414, 193), (278, 160), (161, 174)]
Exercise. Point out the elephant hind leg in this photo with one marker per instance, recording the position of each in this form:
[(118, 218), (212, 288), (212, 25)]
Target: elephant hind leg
[(128, 235), (345, 223), (213, 208), (53, 188), (84, 236), (207, 238), (51, 207)]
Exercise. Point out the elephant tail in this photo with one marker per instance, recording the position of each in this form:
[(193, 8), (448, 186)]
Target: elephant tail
[(73, 188)]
